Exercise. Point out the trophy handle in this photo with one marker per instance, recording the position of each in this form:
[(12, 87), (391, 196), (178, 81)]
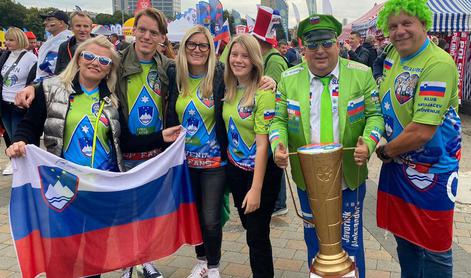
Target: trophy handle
[(308, 221)]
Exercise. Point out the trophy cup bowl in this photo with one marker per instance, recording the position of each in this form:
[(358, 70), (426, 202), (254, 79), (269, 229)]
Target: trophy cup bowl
[(321, 167)]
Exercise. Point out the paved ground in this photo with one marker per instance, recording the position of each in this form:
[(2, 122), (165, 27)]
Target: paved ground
[(287, 239)]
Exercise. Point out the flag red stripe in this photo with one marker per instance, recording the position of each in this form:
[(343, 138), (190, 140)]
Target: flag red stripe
[(432, 93), (109, 249), (426, 228)]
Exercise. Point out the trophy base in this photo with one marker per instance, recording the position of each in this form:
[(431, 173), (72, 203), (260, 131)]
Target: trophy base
[(351, 274)]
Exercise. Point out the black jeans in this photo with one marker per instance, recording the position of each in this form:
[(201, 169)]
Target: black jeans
[(208, 188), (257, 223)]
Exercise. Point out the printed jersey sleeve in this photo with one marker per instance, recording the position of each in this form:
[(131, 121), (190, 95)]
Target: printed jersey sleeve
[(437, 88), (264, 111)]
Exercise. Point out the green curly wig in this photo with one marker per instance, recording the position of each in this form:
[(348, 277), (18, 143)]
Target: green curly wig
[(417, 8)]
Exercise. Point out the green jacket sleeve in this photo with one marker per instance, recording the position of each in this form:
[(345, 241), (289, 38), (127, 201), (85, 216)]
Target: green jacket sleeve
[(278, 128), (374, 127)]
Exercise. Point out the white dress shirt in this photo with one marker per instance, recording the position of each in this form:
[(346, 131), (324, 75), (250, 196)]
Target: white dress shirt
[(316, 95)]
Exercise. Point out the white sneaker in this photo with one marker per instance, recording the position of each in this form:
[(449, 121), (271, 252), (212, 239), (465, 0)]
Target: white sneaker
[(214, 273), (200, 270), (8, 170), (127, 273)]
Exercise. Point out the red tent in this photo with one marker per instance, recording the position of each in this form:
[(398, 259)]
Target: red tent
[(363, 23)]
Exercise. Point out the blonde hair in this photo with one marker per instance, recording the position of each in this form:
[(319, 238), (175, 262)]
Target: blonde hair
[(182, 63), (68, 75), (255, 56), (14, 33)]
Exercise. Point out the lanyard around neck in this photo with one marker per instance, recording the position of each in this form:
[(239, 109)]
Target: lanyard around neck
[(100, 111)]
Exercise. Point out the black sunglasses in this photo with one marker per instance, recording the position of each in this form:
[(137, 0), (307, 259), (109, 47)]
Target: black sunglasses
[(192, 46)]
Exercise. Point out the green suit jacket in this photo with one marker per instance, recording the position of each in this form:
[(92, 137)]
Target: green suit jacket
[(291, 124)]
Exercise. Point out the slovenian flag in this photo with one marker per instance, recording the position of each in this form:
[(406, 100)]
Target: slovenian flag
[(73, 221), (335, 92), (268, 114), (356, 106), (375, 136), (293, 107), (274, 135), (432, 88), (417, 206), (223, 36), (388, 63)]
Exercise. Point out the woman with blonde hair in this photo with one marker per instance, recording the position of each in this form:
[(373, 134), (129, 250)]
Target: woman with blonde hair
[(78, 110), (253, 177), (18, 69), (198, 107)]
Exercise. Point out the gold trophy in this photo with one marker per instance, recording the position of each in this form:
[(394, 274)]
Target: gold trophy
[(321, 166)]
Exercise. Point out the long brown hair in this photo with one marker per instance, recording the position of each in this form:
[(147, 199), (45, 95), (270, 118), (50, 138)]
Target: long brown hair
[(255, 56)]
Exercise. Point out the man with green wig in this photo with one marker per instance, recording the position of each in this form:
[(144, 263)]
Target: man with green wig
[(328, 99), (418, 180)]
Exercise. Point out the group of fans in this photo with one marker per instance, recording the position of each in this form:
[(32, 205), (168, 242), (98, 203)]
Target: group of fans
[(113, 110)]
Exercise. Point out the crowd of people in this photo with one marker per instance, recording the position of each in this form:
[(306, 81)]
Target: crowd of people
[(110, 105)]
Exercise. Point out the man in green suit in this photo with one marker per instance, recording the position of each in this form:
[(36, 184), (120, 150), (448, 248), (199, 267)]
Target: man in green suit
[(328, 99)]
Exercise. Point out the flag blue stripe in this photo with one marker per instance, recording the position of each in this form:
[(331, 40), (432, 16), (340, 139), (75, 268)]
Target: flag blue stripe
[(434, 198), (432, 88), (157, 198)]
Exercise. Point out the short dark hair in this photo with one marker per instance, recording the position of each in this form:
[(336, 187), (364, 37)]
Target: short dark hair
[(155, 14), (356, 34)]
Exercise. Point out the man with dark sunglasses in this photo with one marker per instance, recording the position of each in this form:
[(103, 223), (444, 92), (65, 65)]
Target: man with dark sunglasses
[(328, 99)]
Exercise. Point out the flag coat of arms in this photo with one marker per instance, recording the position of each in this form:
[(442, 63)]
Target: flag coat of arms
[(69, 220)]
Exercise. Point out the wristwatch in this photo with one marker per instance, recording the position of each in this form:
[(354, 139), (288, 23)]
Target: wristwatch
[(382, 153)]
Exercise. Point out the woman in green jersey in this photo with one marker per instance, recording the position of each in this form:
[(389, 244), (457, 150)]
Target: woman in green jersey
[(251, 173), (198, 107)]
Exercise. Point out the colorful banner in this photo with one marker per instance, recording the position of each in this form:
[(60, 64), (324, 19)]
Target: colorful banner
[(461, 60), (141, 5), (203, 10), (69, 220), (217, 16)]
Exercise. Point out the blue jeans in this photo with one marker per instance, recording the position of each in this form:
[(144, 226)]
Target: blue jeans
[(11, 117), (352, 226), (281, 201), (418, 262)]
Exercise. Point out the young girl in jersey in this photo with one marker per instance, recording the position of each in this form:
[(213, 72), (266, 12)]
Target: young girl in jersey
[(251, 173)]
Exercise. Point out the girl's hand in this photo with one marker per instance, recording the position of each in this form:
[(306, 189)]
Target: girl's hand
[(251, 201)]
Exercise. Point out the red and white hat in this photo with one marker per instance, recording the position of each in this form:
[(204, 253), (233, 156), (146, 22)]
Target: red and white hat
[(265, 22)]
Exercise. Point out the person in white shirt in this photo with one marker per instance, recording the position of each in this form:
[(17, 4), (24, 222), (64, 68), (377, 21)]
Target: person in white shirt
[(56, 23), (17, 66)]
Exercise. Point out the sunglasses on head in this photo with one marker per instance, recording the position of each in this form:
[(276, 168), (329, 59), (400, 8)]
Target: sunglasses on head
[(90, 56), (326, 44)]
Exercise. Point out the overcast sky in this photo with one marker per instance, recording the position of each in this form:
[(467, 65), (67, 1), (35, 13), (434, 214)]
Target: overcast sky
[(350, 9)]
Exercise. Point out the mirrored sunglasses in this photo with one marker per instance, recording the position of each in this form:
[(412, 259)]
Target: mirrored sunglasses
[(326, 44), (90, 56)]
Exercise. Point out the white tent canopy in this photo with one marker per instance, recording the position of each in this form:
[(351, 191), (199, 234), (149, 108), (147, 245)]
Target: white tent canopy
[(178, 28), (101, 30), (451, 15)]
